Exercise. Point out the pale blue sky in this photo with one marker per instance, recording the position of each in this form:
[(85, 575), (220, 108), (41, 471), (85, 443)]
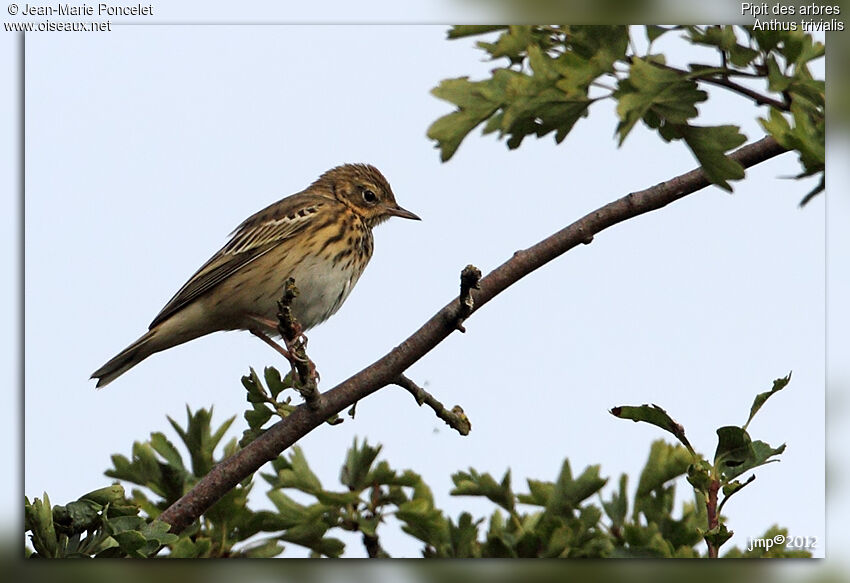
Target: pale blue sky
[(147, 145)]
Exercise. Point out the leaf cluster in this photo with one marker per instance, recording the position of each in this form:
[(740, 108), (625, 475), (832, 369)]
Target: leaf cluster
[(736, 453), (567, 517), (555, 73)]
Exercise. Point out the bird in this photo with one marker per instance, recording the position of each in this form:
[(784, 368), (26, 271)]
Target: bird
[(321, 237)]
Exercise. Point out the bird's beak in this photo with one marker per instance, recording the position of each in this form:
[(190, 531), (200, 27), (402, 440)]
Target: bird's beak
[(397, 211)]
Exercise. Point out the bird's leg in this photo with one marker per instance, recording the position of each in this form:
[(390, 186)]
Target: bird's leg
[(290, 354), (265, 338)]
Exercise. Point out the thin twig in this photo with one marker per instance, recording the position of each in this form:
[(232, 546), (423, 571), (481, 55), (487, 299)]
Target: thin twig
[(711, 510), (456, 418), (725, 82), (385, 370)]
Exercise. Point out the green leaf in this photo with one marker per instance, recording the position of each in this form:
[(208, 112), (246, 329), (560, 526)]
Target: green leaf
[(761, 398), (462, 31), (734, 450), (666, 94), (38, 519), (718, 535), (257, 417), (186, 548), (166, 449), (463, 536), (666, 462), (653, 31), (382, 474), (256, 391), (275, 383), (289, 512), (808, 134), (266, 550), (475, 103), (358, 463), (422, 521), (474, 484), (618, 505), (654, 415), (300, 476), (511, 44), (76, 517), (107, 495), (742, 56), (736, 453), (708, 145), (776, 80), (568, 493), (733, 487), (540, 493), (699, 476)]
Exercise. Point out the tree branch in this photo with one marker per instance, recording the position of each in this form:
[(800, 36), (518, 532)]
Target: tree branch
[(387, 369), (723, 81), (456, 418)]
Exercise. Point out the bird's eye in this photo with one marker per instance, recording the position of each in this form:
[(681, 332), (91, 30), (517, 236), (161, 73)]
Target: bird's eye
[(369, 196)]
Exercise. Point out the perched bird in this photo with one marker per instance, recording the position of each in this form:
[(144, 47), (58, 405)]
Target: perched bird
[(321, 237)]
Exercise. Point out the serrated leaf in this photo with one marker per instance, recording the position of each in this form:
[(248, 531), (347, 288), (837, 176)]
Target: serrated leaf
[(709, 144), (186, 548), (648, 88), (474, 103), (654, 415), (300, 476), (665, 463), (718, 535), (256, 390), (762, 398), (742, 56), (38, 519), (337, 499), (383, 475), (131, 542), (511, 44), (618, 505), (257, 416), (266, 550), (776, 80), (568, 493), (76, 516), (699, 476), (166, 449), (289, 512), (474, 484), (107, 495), (539, 493), (358, 464), (422, 521), (274, 382), (463, 536)]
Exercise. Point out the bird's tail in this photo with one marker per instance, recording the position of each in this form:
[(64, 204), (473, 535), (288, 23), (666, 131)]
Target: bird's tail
[(126, 359)]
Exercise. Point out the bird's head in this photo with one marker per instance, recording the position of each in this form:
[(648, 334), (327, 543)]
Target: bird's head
[(363, 188)]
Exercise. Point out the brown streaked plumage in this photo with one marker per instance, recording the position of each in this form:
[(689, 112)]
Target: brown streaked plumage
[(321, 236)]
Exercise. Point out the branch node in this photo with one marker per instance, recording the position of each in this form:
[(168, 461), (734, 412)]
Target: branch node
[(304, 370), (287, 325), (469, 280)]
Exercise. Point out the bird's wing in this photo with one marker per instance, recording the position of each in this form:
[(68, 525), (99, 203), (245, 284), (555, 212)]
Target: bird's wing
[(255, 237)]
